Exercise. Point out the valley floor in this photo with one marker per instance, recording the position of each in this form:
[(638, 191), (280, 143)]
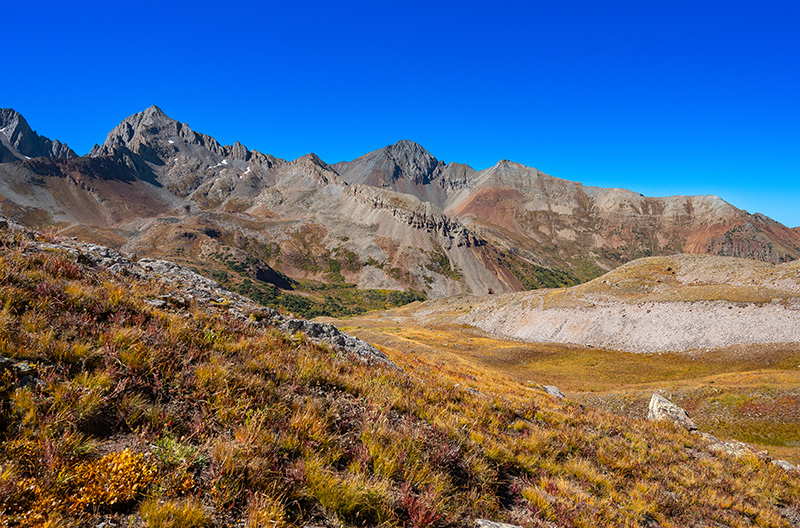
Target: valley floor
[(751, 394)]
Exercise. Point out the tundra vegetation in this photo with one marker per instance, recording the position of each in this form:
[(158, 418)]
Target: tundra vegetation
[(116, 409)]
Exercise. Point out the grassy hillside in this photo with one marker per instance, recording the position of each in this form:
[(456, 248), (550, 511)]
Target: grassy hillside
[(744, 392), (116, 410)]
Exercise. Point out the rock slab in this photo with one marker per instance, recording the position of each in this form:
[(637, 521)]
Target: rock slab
[(661, 408), (553, 391)]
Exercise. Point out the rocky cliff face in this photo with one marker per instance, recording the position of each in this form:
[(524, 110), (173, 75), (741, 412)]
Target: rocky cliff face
[(18, 141), (418, 215)]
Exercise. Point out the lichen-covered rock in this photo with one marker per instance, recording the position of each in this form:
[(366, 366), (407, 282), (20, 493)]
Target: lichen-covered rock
[(661, 408), (22, 373), (648, 522), (484, 523)]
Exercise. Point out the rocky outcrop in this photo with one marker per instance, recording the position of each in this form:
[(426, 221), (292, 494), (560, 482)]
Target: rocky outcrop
[(661, 408), (418, 215), (791, 515), (188, 286), (485, 523), (330, 335), (648, 522), (20, 142), (18, 373), (733, 448)]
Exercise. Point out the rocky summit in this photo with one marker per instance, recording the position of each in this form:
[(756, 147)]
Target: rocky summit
[(18, 141)]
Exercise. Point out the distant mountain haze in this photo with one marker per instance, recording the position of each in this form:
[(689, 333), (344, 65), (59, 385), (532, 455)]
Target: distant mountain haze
[(396, 218)]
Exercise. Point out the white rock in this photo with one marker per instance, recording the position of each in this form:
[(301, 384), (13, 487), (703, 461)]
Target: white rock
[(661, 408)]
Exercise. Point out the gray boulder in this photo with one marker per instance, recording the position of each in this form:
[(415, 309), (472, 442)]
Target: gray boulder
[(661, 408), (785, 465), (648, 522), (23, 373), (484, 523), (792, 516), (553, 391)]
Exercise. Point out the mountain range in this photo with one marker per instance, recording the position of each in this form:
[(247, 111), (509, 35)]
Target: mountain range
[(396, 218)]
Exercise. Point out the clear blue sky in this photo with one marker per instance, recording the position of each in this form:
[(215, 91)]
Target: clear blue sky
[(679, 97)]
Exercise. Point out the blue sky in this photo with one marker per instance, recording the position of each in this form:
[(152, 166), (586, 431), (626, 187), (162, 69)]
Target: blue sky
[(679, 97)]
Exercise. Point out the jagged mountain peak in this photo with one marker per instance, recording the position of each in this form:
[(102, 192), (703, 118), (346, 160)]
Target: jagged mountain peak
[(139, 132), (154, 110), (18, 141), (406, 147), (157, 138), (311, 165), (314, 159), (508, 165), (512, 174), (396, 166), (412, 159), (10, 117), (151, 120)]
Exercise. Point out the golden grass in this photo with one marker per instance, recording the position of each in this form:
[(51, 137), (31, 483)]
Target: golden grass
[(174, 514), (623, 382)]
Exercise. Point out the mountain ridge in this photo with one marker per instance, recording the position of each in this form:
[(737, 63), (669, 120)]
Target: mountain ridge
[(394, 218)]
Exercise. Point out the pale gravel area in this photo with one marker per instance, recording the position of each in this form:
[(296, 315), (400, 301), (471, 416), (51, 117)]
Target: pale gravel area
[(634, 308), (647, 327)]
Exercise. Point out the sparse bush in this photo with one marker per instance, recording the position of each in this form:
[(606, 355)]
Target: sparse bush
[(174, 514), (265, 511), (115, 479)]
